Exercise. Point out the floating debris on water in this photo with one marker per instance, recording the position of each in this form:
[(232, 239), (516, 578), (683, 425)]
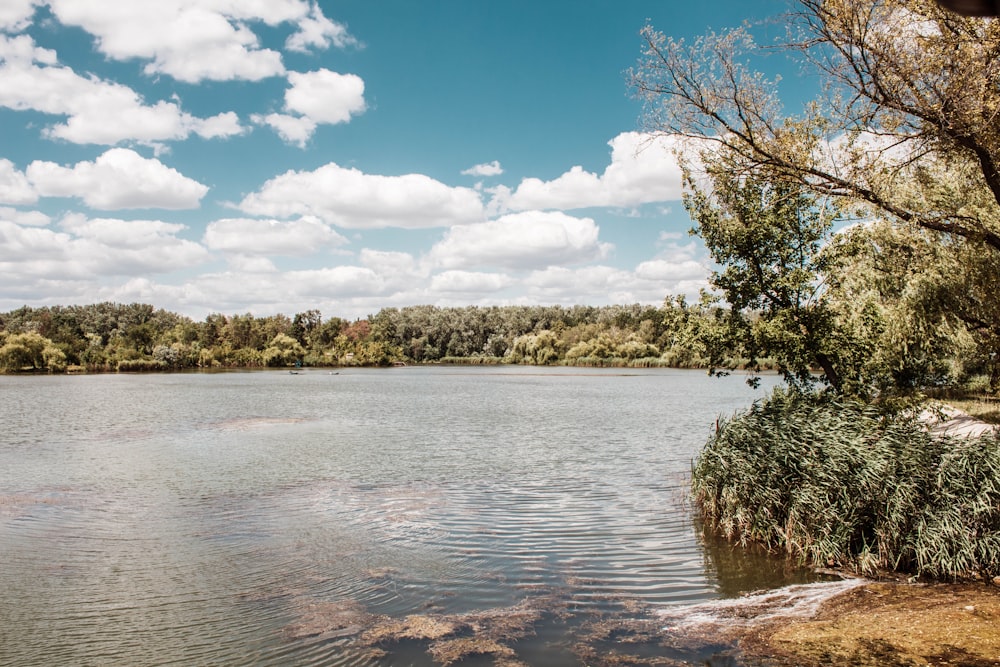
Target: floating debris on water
[(329, 620), (412, 627), (452, 650)]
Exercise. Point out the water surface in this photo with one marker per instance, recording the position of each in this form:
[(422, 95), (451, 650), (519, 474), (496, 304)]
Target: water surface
[(275, 518)]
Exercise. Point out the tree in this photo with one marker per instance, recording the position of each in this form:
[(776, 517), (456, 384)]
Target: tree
[(283, 350), (32, 351), (907, 127), (910, 87), (766, 235)]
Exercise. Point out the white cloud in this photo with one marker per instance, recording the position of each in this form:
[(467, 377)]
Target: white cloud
[(197, 40), (597, 285), (643, 169), (304, 236), (665, 271), (14, 185), (469, 282), (318, 32), (25, 218), (522, 240), (293, 129), (187, 40), (97, 111), (221, 125), (251, 264), (91, 250), (352, 199), (486, 169), (15, 15), (118, 179), (325, 96), (30, 245), (675, 263), (389, 262), (316, 97), (344, 281)]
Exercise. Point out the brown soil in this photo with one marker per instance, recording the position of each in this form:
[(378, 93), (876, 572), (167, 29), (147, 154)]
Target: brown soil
[(888, 625)]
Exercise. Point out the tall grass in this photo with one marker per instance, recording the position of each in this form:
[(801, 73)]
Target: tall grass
[(840, 483)]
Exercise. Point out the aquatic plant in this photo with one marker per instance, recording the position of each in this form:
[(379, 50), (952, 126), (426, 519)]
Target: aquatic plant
[(841, 483)]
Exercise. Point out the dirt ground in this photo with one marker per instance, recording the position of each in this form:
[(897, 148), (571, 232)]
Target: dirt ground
[(888, 625)]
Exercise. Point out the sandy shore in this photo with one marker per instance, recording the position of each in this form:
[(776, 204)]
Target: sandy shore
[(887, 624)]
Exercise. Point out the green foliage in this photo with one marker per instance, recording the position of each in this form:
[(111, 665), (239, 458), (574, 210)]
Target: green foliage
[(30, 351), (140, 365), (283, 350), (839, 482), (766, 235)]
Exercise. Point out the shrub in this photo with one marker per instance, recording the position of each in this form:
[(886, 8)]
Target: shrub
[(841, 483), (141, 365)]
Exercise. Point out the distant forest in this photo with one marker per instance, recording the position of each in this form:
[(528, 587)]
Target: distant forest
[(109, 337)]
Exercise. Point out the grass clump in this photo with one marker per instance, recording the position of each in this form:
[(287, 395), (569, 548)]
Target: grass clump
[(839, 483)]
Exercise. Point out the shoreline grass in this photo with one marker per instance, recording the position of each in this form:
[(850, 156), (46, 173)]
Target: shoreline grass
[(838, 483)]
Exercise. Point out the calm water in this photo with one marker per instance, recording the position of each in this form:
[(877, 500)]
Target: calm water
[(271, 518)]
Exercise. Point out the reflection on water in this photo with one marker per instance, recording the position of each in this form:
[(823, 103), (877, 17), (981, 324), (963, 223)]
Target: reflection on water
[(415, 516)]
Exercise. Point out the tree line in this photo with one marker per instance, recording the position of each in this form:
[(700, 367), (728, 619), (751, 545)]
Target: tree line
[(141, 337), (891, 350)]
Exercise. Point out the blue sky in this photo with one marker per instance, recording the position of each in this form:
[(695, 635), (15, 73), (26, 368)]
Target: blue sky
[(272, 156)]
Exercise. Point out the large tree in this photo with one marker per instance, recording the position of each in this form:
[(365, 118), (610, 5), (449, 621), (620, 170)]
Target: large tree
[(907, 126), (766, 235), (911, 88)]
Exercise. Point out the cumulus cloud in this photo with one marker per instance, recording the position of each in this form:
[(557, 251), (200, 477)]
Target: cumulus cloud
[(97, 111), (293, 129), (469, 282), (118, 179), (344, 281), (316, 31), (304, 236), (352, 199), (314, 98), (14, 185), (92, 249), (520, 241), (15, 15), (486, 169), (676, 262), (194, 40), (607, 285), (325, 96), (643, 169), (387, 262), (26, 218)]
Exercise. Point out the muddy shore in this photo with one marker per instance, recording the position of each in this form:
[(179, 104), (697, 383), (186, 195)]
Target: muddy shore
[(886, 624)]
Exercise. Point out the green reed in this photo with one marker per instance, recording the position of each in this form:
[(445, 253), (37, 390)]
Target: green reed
[(838, 483)]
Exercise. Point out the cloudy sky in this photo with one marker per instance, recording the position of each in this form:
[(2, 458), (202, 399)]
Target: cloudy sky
[(272, 156)]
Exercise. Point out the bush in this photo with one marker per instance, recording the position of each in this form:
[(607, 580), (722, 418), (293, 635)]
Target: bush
[(141, 365), (841, 483)]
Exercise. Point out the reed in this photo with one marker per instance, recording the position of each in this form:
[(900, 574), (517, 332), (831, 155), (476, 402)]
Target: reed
[(839, 483)]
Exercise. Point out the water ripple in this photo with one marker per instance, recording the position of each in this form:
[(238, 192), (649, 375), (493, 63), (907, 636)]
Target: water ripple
[(249, 519)]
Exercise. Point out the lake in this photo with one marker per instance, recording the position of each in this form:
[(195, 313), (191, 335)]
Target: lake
[(406, 516)]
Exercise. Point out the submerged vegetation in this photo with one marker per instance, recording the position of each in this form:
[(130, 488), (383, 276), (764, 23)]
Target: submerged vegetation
[(841, 483)]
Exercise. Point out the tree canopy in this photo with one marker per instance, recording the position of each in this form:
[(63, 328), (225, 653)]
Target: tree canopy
[(904, 133)]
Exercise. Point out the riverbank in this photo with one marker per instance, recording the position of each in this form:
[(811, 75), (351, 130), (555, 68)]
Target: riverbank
[(889, 622), (886, 624)]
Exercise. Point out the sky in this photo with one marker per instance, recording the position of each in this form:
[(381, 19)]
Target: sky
[(276, 156)]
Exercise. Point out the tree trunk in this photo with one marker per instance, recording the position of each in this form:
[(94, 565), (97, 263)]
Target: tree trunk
[(831, 373)]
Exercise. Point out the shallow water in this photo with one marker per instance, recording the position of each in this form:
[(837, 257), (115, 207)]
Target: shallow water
[(271, 518)]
